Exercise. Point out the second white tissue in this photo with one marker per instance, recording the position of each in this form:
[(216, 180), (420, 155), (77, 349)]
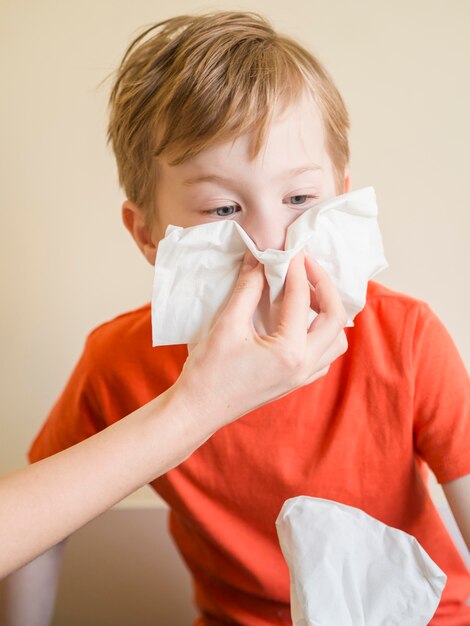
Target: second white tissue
[(349, 569)]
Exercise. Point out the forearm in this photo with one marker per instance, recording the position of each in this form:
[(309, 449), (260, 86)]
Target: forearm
[(47, 501), (230, 372), (457, 493)]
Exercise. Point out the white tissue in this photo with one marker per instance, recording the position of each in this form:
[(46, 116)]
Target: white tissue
[(348, 569), (196, 268)]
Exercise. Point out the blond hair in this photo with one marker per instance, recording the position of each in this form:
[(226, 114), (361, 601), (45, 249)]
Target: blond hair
[(193, 81)]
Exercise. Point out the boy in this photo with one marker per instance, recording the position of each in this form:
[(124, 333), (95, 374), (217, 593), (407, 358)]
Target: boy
[(218, 117)]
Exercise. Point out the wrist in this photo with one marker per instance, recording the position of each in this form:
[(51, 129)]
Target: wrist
[(178, 421), (203, 400)]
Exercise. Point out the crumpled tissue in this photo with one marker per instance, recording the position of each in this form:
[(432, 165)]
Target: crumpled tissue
[(196, 267), (349, 569)]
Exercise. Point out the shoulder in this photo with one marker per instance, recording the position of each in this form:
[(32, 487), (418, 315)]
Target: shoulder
[(387, 327), (394, 302), (403, 327), (120, 338), (388, 310), (131, 324), (121, 350)]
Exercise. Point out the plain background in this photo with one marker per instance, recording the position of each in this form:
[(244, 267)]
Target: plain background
[(67, 264)]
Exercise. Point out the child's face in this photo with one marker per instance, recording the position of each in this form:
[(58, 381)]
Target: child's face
[(291, 173)]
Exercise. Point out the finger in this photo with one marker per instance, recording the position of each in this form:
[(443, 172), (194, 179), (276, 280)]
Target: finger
[(319, 374), (313, 299), (309, 380), (246, 293), (310, 273), (322, 366), (336, 349), (294, 311), (326, 295), (318, 278), (331, 317)]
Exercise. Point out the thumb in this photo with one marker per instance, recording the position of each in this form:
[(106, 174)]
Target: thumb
[(247, 291)]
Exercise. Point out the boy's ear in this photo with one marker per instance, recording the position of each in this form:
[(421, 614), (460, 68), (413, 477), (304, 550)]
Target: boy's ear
[(134, 221), (347, 181)]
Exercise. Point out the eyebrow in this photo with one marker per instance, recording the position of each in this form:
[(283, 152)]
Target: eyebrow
[(214, 178), (296, 171), (208, 178)]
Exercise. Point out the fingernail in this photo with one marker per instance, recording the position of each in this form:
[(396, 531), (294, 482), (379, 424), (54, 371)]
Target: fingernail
[(249, 261)]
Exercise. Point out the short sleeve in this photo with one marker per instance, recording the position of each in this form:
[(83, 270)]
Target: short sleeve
[(75, 416), (441, 399)]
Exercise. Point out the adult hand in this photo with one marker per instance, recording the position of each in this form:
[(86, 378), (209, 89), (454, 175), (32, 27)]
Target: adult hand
[(234, 369)]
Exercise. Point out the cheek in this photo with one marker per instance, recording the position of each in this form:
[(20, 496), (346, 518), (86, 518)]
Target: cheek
[(158, 233), (166, 213), (163, 217), (167, 203), (151, 255)]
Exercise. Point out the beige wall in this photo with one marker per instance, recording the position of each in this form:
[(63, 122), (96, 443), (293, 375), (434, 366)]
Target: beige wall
[(67, 264)]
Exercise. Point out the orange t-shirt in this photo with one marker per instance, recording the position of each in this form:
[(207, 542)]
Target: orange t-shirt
[(362, 435)]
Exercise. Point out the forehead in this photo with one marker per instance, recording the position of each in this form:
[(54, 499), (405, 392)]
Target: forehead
[(298, 130), (295, 135)]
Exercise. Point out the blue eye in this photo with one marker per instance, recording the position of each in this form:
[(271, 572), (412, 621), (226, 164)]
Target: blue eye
[(298, 199), (225, 211)]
